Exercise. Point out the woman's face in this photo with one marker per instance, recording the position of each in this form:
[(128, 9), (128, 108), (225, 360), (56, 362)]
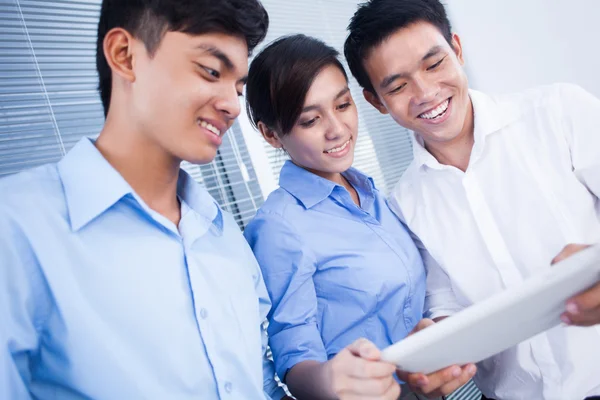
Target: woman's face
[(322, 140)]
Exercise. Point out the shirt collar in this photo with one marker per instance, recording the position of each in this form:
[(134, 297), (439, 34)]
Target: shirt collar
[(311, 189), (199, 200), (92, 186), (490, 116)]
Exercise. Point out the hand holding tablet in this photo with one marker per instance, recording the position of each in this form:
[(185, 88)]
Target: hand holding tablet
[(500, 322)]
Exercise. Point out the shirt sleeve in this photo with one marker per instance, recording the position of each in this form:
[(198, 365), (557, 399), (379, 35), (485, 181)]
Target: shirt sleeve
[(288, 267), (271, 387), (24, 299), (580, 110), (440, 300)]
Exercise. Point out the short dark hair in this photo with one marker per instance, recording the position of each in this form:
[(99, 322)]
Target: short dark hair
[(376, 20), (280, 77), (149, 20)]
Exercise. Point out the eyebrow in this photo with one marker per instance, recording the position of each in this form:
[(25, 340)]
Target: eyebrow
[(213, 51), (388, 80), (337, 96), (432, 52)]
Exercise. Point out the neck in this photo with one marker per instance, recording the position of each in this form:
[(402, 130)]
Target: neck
[(338, 178), (455, 152), (149, 170), (335, 177)]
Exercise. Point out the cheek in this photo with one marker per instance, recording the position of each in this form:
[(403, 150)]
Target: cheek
[(304, 148), (153, 92), (353, 121), (456, 77), (178, 103), (400, 110)]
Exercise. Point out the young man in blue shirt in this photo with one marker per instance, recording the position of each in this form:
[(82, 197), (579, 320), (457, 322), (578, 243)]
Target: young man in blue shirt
[(120, 277)]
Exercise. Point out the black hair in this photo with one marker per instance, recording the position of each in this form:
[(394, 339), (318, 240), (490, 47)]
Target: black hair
[(376, 20), (149, 20), (280, 77)]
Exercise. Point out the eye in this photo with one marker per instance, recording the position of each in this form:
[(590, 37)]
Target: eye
[(344, 106), (239, 87), (309, 123), (437, 64), (397, 89), (213, 73)]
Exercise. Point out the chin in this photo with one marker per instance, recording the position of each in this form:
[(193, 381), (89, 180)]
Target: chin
[(347, 166), (440, 137), (204, 157), (337, 168)]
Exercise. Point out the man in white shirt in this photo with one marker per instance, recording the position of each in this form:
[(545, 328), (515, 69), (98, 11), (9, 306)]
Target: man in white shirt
[(498, 187)]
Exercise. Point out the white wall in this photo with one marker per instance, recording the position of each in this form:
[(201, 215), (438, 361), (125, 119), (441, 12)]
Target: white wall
[(512, 45)]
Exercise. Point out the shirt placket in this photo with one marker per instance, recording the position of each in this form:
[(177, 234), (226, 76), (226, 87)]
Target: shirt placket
[(510, 276), (372, 223), (541, 350), (484, 219), (204, 305)]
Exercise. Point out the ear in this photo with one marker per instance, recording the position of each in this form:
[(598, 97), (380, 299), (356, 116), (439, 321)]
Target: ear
[(270, 135), (457, 47), (118, 51), (373, 99)]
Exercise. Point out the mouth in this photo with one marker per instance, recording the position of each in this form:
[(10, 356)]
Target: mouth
[(210, 127), (342, 147), (436, 113)]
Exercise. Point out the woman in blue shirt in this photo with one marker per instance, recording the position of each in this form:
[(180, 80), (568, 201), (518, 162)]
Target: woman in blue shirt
[(337, 263)]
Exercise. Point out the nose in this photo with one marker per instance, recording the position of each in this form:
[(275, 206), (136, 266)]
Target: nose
[(425, 90), (336, 127), (228, 102)]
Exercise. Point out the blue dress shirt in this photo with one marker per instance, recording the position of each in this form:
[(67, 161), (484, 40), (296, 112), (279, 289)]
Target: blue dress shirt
[(101, 297), (334, 271)]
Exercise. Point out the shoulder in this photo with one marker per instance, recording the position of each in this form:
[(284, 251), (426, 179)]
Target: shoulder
[(31, 194)]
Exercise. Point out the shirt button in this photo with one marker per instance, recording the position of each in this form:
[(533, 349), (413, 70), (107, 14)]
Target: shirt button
[(203, 313), (228, 387)]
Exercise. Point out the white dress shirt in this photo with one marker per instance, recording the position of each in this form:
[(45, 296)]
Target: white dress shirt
[(532, 186)]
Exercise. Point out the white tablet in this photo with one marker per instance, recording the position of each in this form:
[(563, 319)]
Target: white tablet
[(500, 322)]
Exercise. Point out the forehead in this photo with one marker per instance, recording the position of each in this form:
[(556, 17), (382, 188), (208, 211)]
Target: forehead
[(232, 47), (403, 50), (326, 85)]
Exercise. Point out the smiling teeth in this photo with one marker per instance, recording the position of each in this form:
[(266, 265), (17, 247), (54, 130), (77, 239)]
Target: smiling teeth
[(337, 149), (210, 127), (436, 112)]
